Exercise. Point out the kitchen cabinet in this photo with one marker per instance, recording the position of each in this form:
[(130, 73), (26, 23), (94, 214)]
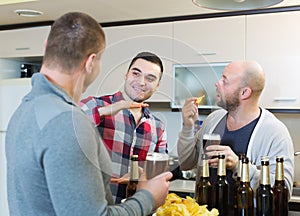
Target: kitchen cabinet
[(27, 42), (209, 40), (274, 40), (123, 43)]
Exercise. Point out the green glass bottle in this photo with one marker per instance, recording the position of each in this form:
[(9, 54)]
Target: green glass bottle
[(264, 193), (221, 188), (280, 190), (134, 176), (245, 192), (204, 188)]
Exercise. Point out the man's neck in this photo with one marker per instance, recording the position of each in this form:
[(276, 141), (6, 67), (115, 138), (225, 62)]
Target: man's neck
[(71, 83), (239, 118)]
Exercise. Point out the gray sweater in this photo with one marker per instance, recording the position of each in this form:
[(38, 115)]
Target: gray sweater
[(270, 137), (56, 163)]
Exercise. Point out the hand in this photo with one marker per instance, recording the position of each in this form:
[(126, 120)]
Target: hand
[(157, 186), (190, 112), (231, 158), (113, 109)]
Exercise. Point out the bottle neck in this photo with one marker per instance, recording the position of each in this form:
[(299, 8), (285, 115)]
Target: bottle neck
[(265, 175), (239, 173), (204, 169), (134, 171), (221, 167), (245, 173), (279, 171)]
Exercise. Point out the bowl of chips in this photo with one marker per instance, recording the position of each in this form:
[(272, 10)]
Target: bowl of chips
[(177, 206)]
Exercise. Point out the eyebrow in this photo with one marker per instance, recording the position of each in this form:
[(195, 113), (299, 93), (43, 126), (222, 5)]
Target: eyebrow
[(136, 69)]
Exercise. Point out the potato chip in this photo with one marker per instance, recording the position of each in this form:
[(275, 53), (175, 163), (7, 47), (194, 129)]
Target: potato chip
[(199, 99), (177, 206)]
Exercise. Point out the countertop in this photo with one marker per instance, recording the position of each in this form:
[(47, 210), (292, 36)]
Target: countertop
[(184, 186)]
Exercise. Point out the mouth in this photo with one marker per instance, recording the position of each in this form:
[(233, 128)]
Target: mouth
[(138, 89)]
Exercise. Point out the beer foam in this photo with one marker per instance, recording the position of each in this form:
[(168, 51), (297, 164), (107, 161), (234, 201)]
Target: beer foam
[(211, 137), (155, 156)]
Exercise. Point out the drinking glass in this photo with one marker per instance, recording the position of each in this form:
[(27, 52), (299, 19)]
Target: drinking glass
[(156, 163)]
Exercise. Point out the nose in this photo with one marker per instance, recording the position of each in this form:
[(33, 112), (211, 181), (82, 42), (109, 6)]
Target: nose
[(217, 83), (142, 80)]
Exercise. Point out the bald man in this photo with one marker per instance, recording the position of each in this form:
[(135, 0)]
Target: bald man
[(245, 128)]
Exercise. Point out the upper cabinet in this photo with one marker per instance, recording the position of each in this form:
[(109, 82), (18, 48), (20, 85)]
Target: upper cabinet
[(28, 42), (122, 45), (209, 40), (274, 40)]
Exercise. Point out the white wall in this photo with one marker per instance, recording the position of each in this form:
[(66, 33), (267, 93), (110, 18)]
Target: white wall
[(3, 192)]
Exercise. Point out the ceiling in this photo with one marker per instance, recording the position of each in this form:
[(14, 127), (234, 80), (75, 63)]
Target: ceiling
[(107, 10)]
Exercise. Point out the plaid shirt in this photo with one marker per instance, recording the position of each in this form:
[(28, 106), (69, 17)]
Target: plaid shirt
[(123, 138)]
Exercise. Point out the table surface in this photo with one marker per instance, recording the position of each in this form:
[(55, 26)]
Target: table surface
[(185, 186)]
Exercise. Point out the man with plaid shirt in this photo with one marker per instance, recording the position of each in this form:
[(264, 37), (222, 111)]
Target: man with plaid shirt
[(124, 121)]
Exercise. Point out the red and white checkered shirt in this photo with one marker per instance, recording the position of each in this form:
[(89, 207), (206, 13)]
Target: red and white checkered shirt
[(123, 138)]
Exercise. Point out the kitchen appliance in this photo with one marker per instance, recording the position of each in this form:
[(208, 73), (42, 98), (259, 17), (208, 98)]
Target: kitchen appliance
[(11, 93)]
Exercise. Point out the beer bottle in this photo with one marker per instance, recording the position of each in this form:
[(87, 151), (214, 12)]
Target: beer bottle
[(204, 188), (280, 190), (134, 176), (237, 183), (221, 188), (264, 193), (245, 192)]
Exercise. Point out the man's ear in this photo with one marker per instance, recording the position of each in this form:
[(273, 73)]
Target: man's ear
[(89, 63), (246, 93), (45, 43)]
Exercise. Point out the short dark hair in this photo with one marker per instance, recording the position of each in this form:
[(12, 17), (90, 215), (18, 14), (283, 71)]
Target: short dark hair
[(72, 38), (151, 57)]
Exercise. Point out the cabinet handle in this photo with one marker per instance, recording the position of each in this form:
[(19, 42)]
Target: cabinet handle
[(284, 99), (22, 48), (207, 53)]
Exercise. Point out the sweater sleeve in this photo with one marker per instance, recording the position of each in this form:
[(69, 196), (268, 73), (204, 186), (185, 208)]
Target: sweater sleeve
[(78, 169), (187, 149)]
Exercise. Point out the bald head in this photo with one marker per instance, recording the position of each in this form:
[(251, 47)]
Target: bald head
[(252, 75)]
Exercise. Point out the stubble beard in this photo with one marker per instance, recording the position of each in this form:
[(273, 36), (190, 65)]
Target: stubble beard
[(229, 103)]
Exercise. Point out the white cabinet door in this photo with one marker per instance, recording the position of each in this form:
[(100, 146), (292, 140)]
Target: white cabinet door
[(123, 43), (274, 41), (209, 40), (23, 42)]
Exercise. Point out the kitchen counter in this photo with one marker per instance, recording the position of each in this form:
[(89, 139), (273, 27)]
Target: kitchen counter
[(185, 186)]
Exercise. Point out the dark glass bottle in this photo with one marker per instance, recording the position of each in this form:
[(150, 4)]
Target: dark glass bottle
[(245, 192), (237, 184), (280, 190), (134, 176), (264, 193), (204, 188), (221, 188)]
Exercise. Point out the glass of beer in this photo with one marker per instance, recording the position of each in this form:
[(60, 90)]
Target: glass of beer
[(211, 139), (156, 163)]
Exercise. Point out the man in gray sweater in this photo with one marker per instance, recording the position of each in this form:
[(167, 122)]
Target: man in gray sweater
[(56, 162), (245, 128)]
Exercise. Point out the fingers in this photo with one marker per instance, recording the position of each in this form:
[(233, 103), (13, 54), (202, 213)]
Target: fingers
[(119, 180), (134, 105), (167, 175), (214, 150)]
